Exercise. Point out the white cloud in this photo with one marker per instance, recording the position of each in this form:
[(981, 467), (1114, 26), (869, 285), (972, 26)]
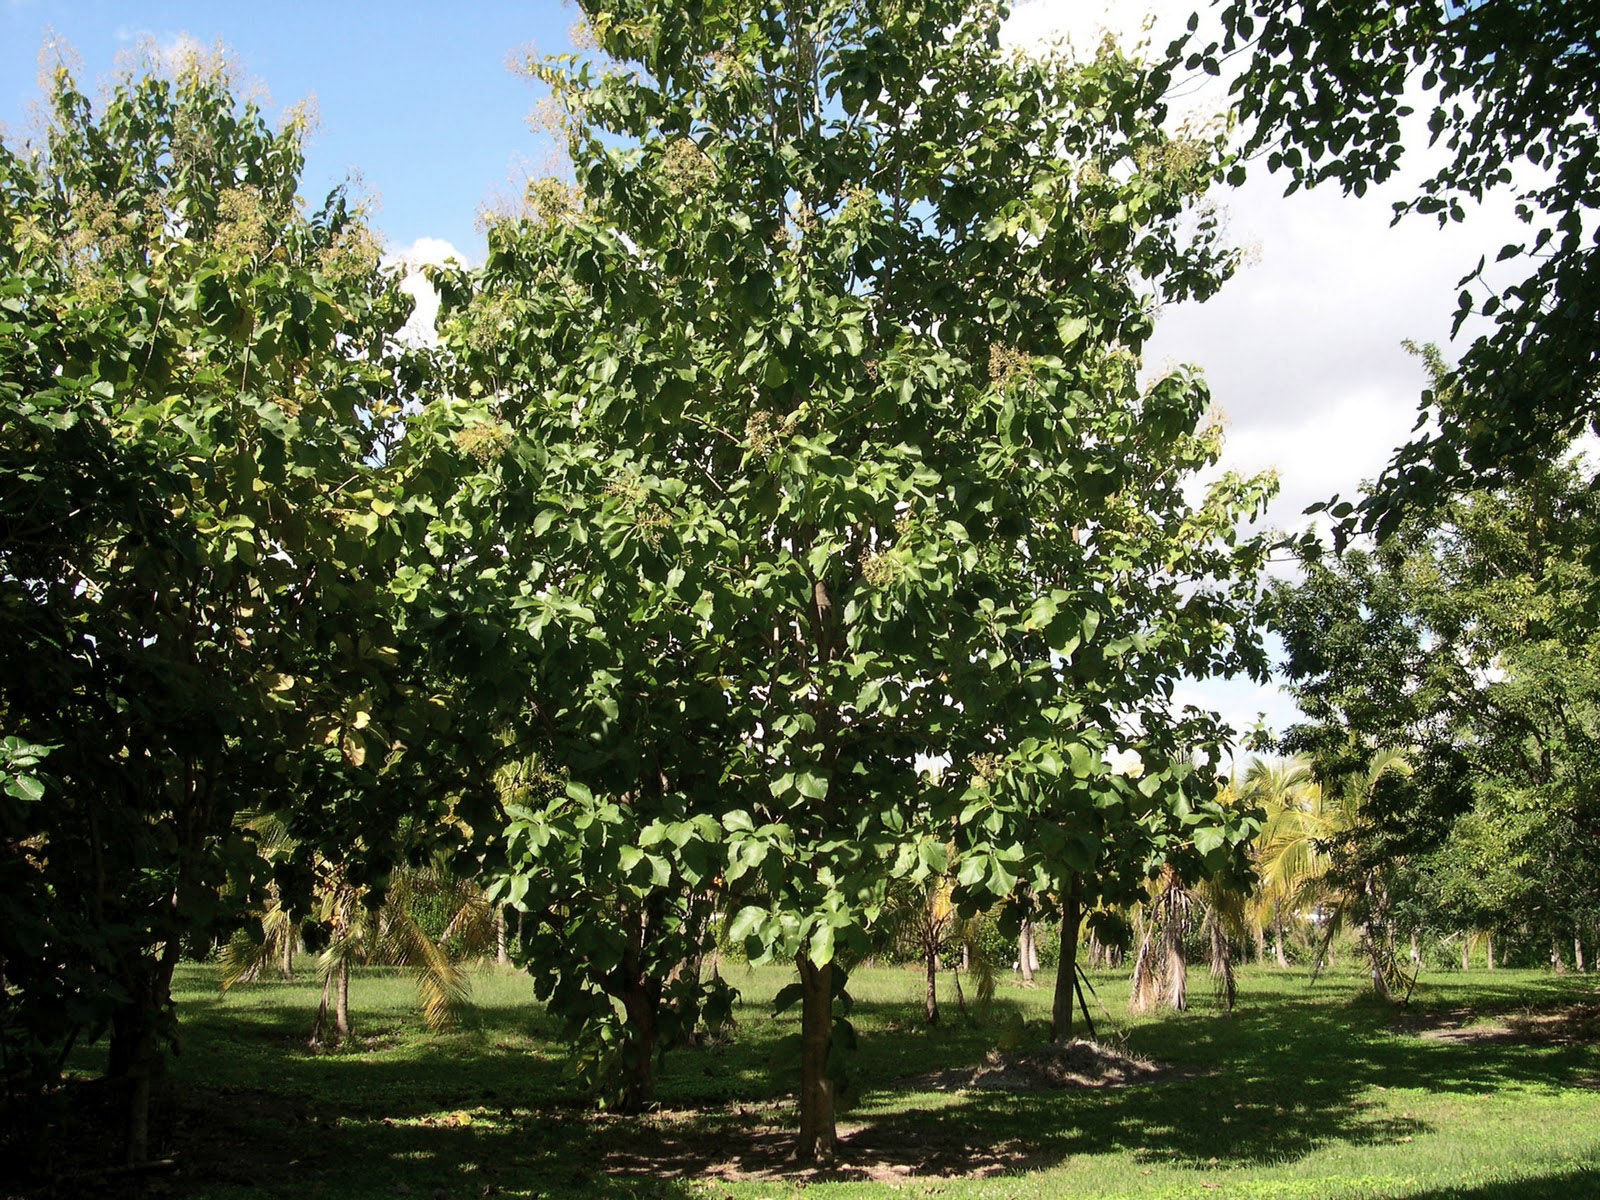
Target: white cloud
[(1302, 350), (424, 252)]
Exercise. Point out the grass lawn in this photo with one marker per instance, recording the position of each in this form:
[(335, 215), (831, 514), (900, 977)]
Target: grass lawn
[(1488, 1087)]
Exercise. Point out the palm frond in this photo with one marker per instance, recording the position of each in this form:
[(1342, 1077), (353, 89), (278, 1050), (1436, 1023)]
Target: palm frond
[(441, 986), (243, 958)]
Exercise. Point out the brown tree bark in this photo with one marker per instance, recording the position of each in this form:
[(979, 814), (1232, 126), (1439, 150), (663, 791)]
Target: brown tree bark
[(132, 1063), (930, 996), (818, 1137), (640, 995), (1277, 934), (500, 956), (1067, 963), (135, 1056), (640, 1002), (1026, 959)]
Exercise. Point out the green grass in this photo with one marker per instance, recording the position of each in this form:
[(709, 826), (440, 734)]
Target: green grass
[(1304, 1092)]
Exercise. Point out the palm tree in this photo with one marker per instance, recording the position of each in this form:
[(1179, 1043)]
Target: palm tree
[(1356, 887), (364, 930), (922, 917), (390, 933), (1291, 850), (244, 957), (1160, 971), (1310, 854)]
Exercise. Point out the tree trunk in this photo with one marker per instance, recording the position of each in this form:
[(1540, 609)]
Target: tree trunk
[(1557, 963), (1142, 991), (1466, 960), (1261, 943), (341, 1014), (1380, 985), (1222, 962), (132, 1062), (639, 1001), (1416, 954), (500, 955), (818, 1139), (1026, 959), (1577, 953), (135, 1056), (930, 997), (1488, 950), (286, 961), (321, 1024), (1277, 934), (1067, 963), (1177, 968)]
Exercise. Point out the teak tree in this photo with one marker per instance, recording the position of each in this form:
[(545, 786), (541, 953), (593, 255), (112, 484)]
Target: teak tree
[(802, 434), (197, 394)]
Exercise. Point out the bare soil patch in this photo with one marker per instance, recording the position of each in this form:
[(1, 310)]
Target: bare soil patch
[(1078, 1064), (1567, 1023), (681, 1146)]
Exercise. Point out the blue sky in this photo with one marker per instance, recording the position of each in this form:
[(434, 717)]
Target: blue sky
[(1302, 349), (417, 97)]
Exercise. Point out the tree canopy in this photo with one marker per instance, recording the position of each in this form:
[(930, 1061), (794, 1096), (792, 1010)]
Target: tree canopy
[(802, 435), (199, 396), (784, 517), (1470, 645)]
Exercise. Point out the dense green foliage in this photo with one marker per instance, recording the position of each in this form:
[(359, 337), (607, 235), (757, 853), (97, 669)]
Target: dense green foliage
[(780, 552), (199, 394), (809, 442), (1471, 645)]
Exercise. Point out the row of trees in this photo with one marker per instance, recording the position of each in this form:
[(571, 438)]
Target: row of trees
[(797, 436), (1468, 639)]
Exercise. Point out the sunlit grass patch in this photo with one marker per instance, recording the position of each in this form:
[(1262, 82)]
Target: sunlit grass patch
[(1303, 1092)]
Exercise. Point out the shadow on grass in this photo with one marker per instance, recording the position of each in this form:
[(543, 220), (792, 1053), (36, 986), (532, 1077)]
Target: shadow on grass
[(1567, 1185), (490, 1108)]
